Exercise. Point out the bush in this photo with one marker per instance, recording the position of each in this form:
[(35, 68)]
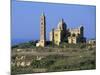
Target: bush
[(44, 63)]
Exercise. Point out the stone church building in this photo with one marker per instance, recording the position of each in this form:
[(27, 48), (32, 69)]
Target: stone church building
[(60, 34), (69, 35)]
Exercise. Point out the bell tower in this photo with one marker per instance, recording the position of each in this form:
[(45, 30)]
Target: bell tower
[(42, 30)]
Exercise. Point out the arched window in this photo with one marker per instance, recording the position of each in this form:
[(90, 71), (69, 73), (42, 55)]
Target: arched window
[(73, 34)]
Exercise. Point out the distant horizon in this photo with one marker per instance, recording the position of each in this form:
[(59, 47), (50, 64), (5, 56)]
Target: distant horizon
[(19, 41), (26, 18)]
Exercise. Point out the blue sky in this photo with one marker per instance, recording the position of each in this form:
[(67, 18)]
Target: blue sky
[(26, 18)]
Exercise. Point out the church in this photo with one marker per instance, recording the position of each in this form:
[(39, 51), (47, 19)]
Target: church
[(61, 33)]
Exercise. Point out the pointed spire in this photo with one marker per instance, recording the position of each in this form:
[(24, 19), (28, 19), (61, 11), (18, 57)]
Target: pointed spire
[(61, 21), (42, 14)]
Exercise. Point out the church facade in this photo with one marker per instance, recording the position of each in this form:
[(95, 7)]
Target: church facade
[(69, 35)]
